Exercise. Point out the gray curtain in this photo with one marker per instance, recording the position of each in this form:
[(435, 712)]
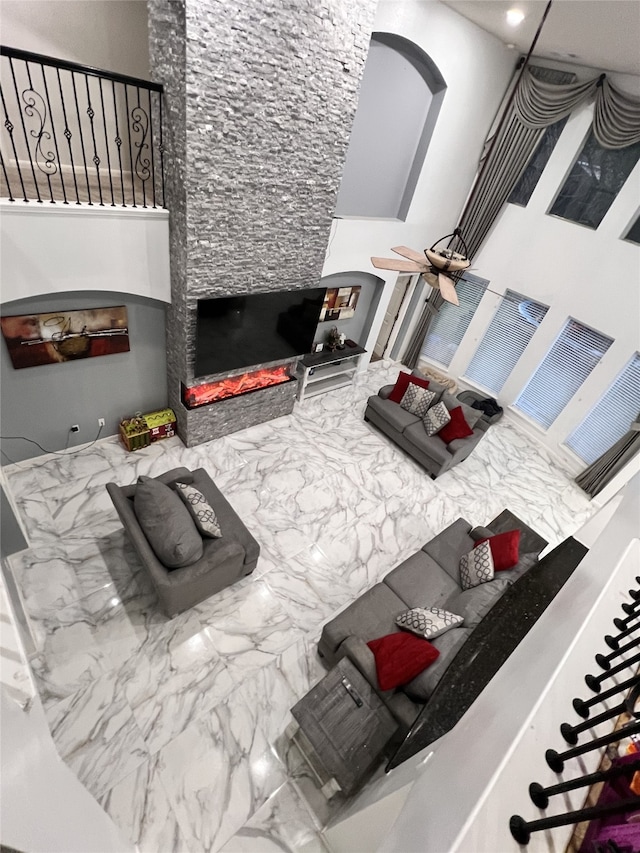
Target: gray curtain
[(594, 478), (538, 102)]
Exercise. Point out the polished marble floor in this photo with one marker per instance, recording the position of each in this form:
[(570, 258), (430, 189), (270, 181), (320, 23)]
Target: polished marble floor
[(176, 726)]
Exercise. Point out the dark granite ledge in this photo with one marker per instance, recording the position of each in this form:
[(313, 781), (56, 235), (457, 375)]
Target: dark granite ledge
[(489, 646)]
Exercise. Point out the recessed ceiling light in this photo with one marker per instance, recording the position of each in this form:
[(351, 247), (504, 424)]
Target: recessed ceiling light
[(515, 17)]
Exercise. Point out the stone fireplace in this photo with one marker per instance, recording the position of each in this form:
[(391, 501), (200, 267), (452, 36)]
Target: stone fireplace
[(255, 136)]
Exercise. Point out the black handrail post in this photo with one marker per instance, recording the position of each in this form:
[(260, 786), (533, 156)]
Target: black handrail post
[(581, 707), (96, 159), (118, 141), (68, 135), (162, 155), (6, 177), (593, 682)]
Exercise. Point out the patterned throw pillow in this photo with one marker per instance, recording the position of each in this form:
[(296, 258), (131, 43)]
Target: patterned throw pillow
[(417, 400), (203, 513), (476, 567), (428, 622), (437, 417)]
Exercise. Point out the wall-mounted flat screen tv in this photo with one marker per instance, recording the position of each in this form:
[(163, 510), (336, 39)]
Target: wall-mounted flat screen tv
[(239, 331)]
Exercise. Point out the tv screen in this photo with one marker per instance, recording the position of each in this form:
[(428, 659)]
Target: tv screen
[(241, 331)]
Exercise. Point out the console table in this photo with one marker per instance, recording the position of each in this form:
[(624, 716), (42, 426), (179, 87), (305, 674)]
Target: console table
[(326, 371)]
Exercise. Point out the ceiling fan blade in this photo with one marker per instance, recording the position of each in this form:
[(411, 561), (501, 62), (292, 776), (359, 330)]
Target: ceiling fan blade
[(447, 289), (399, 266), (406, 252)]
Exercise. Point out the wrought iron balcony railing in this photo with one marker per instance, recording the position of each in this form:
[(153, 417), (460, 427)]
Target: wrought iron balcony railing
[(78, 135)]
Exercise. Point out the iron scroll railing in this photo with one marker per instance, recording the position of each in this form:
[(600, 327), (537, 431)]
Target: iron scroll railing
[(78, 135)]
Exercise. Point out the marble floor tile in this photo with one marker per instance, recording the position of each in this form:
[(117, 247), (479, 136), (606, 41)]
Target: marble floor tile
[(284, 823), (218, 773), (139, 806), (96, 734), (178, 726)]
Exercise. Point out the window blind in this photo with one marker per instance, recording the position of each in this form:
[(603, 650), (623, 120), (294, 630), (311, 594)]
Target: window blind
[(452, 321), (611, 418), (570, 360), (513, 325)]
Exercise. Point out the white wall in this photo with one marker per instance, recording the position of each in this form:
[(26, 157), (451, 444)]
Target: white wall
[(592, 276), (476, 68), (107, 34), (47, 249)]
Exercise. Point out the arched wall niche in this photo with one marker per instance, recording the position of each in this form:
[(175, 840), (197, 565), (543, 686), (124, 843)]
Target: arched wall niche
[(400, 98)]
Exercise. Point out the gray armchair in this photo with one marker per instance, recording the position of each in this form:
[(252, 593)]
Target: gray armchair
[(223, 562)]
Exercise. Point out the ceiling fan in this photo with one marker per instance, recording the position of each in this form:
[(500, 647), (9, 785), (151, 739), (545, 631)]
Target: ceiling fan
[(433, 265)]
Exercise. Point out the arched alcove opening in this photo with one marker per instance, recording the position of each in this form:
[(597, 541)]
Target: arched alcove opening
[(400, 98), (355, 326)]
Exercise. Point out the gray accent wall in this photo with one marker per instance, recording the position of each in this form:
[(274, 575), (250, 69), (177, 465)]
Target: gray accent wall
[(259, 101), (41, 403)]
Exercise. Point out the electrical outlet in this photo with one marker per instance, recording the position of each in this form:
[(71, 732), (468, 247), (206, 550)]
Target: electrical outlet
[(75, 428), (100, 422)]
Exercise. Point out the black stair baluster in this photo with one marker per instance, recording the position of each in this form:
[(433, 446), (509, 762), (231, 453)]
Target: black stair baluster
[(593, 682), (68, 136), (29, 97), (605, 660), (621, 624), (53, 130), (106, 140), (10, 128), (582, 707), (133, 177), (161, 149), (84, 153), (151, 142), (521, 829), (614, 642), (556, 760), (570, 733), (96, 159), (540, 796), (118, 141), (24, 130)]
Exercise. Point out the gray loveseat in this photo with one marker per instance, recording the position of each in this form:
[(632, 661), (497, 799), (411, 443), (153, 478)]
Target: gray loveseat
[(224, 561), (428, 578), (408, 431)]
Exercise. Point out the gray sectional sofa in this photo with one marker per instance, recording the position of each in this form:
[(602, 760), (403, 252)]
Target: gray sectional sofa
[(408, 432), (428, 578)]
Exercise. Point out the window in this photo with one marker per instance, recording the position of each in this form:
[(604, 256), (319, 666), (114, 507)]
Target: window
[(514, 324), (633, 234), (452, 321), (565, 367), (595, 180), (610, 419), (528, 180)]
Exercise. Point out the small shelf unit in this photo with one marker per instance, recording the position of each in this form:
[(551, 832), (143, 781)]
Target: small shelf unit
[(326, 371)]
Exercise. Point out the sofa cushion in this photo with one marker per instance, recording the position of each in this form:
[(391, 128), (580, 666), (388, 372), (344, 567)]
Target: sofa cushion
[(167, 524), (428, 622), (456, 428), (504, 549), (417, 400), (402, 383), (400, 657), (393, 414), (436, 418), (473, 604), (201, 510), (448, 547), (371, 615), (420, 582), (421, 687), (476, 567), (431, 445)]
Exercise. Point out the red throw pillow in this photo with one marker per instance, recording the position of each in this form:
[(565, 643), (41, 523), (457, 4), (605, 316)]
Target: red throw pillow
[(456, 428), (400, 657), (504, 549), (402, 383)]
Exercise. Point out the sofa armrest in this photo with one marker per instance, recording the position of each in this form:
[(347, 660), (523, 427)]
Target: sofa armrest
[(358, 652), (385, 391), (460, 448)]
